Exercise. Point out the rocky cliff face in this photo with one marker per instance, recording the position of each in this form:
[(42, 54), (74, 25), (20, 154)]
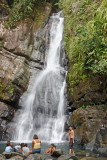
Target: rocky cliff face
[(21, 49), (93, 91), (89, 108)]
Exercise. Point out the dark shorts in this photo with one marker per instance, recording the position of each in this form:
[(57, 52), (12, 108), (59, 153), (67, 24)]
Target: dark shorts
[(36, 150), (15, 150), (71, 143)]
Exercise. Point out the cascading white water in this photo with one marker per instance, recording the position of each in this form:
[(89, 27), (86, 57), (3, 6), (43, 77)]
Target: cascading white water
[(43, 107)]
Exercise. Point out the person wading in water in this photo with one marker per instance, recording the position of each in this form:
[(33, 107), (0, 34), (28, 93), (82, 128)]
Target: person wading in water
[(71, 140), (51, 149)]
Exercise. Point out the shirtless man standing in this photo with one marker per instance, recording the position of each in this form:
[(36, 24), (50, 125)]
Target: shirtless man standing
[(71, 140)]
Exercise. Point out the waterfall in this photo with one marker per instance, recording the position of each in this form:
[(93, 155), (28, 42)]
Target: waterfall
[(42, 110)]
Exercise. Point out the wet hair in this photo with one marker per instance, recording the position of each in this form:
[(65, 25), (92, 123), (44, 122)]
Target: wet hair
[(25, 144), (53, 145), (22, 145), (8, 143), (70, 126), (35, 137)]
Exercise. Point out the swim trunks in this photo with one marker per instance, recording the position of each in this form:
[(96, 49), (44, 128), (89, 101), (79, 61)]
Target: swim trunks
[(71, 143)]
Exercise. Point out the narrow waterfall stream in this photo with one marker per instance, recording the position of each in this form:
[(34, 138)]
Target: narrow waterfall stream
[(42, 110)]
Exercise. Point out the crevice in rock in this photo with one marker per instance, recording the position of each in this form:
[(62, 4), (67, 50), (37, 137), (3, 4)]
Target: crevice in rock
[(21, 55), (4, 118), (8, 102)]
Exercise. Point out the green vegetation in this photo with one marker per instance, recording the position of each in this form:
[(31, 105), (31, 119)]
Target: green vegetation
[(10, 89), (6, 92), (85, 37), (83, 107), (23, 9), (1, 45)]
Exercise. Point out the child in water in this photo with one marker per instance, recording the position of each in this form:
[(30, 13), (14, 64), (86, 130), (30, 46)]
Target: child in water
[(51, 149)]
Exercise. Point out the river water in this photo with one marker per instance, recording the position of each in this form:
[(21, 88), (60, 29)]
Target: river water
[(64, 147)]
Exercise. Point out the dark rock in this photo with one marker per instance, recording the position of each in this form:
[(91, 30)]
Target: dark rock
[(42, 48), (93, 90), (6, 114), (6, 155), (85, 120), (13, 155), (100, 145), (57, 153)]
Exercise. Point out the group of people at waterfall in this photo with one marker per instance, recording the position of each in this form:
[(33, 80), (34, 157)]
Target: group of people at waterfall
[(36, 146), (23, 147)]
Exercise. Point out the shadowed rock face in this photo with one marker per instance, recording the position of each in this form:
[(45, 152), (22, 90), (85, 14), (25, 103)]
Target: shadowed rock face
[(91, 128), (100, 145), (92, 91), (19, 52), (6, 115), (87, 122), (3, 10)]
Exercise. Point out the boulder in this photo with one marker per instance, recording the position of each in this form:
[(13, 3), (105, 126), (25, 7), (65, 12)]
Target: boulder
[(90, 145), (3, 9), (87, 122), (57, 153), (2, 157), (67, 157), (100, 146), (16, 158), (36, 156), (6, 114), (49, 157), (83, 154), (13, 155), (6, 155)]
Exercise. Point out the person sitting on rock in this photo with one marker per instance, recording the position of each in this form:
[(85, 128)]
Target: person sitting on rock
[(25, 149), (17, 148), (9, 147), (36, 145), (51, 149)]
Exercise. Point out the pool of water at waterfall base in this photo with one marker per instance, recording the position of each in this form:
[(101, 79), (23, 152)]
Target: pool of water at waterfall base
[(63, 146)]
